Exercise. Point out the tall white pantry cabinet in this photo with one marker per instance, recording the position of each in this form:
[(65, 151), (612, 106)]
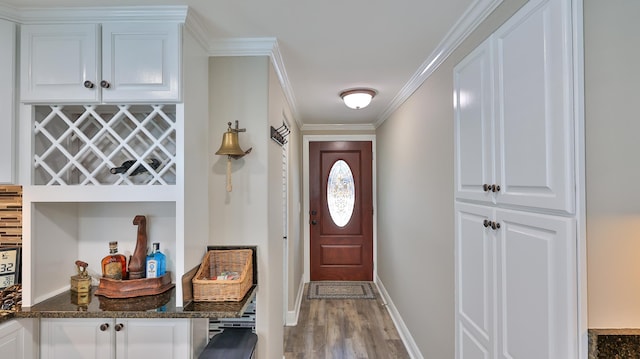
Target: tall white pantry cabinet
[(517, 188)]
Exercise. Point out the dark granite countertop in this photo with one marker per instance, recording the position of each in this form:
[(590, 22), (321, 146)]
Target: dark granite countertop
[(614, 343), (69, 305)]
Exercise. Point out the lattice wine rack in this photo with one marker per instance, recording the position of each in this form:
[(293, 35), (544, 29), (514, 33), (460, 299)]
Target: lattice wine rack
[(82, 144)]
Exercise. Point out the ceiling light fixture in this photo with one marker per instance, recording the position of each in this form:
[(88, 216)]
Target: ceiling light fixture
[(357, 98)]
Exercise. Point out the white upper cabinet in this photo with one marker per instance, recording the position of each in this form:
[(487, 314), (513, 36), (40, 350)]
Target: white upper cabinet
[(141, 62), (513, 114), (534, 109), (7, 101), (474, 125), (89, 63)]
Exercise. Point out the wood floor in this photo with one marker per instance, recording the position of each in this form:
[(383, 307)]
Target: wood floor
[(343, 329)]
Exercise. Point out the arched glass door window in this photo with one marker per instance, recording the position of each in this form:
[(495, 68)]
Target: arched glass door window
[(341, 193)]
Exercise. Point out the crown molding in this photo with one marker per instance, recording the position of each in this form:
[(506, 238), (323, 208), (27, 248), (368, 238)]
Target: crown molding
[(101, 14), (249, 46), (197, 27), (8, 12), (259, 46), (338, 127), (472, 17)]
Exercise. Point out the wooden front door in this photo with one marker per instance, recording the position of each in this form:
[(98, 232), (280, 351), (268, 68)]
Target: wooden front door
[(341, 210)]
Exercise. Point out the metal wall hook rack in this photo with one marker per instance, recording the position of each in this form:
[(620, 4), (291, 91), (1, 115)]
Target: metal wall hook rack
[(280, 134)]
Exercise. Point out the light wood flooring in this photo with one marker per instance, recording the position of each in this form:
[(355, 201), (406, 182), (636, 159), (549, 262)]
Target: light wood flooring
[(343, 329)]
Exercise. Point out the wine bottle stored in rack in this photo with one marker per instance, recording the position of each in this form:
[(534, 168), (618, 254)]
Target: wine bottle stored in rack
[(152, 162)]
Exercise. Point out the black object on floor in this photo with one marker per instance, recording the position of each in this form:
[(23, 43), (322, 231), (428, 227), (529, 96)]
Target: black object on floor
[(231, 344)]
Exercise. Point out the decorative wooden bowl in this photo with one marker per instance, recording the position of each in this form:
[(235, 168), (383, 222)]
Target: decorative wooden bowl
[(115, 288)]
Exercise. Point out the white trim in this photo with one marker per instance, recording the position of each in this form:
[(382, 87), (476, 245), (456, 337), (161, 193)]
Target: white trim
[(52, 15), (403, 331), (292, 315), (466, 24), (250, 46), (305, 193), (580, 168), (196, 26), (8, 12), (259, 46), (338, 127)]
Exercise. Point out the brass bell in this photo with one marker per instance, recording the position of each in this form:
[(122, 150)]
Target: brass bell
[(230, 145), (231, 148)]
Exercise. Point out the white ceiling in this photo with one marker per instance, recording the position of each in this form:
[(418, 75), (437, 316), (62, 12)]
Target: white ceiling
[(327, 46)]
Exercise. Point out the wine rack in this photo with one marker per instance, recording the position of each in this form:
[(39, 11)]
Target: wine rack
[(80, 144)]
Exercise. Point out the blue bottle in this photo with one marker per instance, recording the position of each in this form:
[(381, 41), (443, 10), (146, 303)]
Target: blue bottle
[(156, 262)]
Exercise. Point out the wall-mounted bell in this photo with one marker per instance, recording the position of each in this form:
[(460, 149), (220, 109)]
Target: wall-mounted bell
[(231, 148)]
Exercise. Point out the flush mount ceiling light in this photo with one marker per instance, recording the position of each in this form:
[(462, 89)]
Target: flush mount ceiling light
[(357, 98)]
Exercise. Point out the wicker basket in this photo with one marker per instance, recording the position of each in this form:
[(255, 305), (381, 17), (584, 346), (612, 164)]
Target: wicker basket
[(214, 263)]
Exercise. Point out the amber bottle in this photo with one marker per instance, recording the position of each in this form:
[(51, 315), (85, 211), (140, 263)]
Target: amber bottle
[(114, 265)]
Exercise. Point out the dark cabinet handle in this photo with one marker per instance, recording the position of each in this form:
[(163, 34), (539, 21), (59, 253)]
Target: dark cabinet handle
[(104, 327), (119, 327), (494, 225), (314, 222), (88, 84), (495, 188), (314, 212), (105, 84), (486, 187)]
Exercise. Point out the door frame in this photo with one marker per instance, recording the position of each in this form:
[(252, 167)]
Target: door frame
[(305, 195)]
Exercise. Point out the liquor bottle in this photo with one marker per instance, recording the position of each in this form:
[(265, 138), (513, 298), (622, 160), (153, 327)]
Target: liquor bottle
[(152, 162), (156, 262), (114, 265)]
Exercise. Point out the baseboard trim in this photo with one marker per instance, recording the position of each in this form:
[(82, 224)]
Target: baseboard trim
[(405, 335), (292, 315)]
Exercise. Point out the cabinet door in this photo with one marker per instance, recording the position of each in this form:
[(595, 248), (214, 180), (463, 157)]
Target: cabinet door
[(12, 340), (473, 125), (534, 103), (475, 276), (536, 286), (153, 338), (141, 62), (76, 338), (7, 98), (56, 62)]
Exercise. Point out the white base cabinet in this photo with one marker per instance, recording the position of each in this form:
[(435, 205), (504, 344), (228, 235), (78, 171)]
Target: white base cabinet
[(16, 341), (517, 271), (115, 338)]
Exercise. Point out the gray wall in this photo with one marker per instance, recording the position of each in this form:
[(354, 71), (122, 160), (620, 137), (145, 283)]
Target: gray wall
[(612, 56), (251, 214), (415, 202)]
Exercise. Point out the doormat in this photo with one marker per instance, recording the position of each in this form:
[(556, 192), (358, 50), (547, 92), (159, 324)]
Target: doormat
[(340, 290)]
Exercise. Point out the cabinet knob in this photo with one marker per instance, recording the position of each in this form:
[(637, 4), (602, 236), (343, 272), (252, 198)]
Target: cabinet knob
[(486, 187), (495, 225), (495, 188), (88, 84), (105, 84), (119, 327), (104, 327), (314, 222), (486, 223)]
